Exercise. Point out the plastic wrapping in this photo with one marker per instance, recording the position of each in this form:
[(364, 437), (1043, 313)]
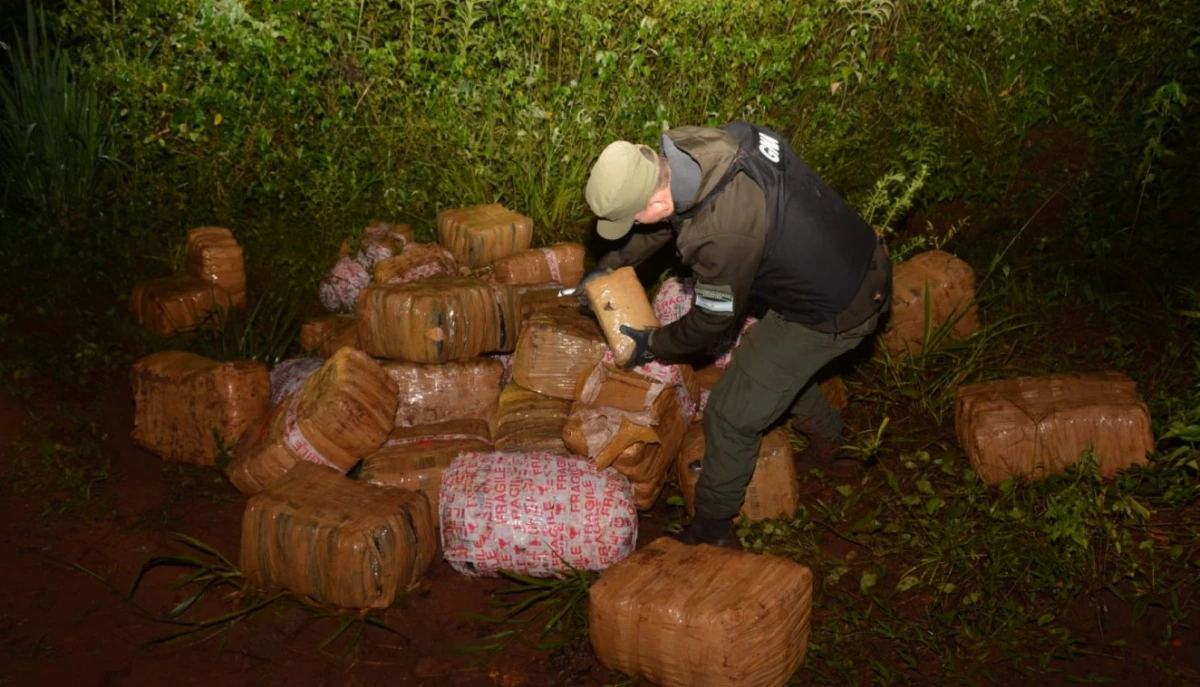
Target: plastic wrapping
[(529, 421), (480, 235), (774, 490), (177, 304), (675, 298), (430, 394), (618, 299), (418, 462), (636, 389), (416, 262), (324, 335), (339, 289), (702, 616), (438, 320), (181, 398), (289, 376), (214, 256), (534, 513), (560, 264), (951, 295), (343, 412), (536, 300), (1033, 427), (337, 541), (382, 240), (555, 348)]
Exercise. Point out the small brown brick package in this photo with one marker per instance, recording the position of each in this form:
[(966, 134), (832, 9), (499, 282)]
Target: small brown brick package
[(481, 234), (618, 299), (950, 285)]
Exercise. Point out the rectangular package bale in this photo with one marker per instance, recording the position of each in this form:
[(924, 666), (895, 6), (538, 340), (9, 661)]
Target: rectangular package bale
[(702, 616), (344, 411), (560, 264), (416, 261), (774, 490), (438, 320), (529, 421), (336, 540), (545, 299), (325, 335), (619, 299), (610, 386), (417, 462), (555, 348), (181, 398), (214, 256), (950, 285), (177, 304), (1033, 427), (481, 234), (431, 394)]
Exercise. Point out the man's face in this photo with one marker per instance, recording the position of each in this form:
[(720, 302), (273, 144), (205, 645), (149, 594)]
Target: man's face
[(660, 207)]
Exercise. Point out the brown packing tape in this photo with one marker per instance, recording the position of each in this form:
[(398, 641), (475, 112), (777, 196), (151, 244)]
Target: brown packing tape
[(618, 299), (181, 398), (430, 394), (702, 616), (604, 434), (178, 304), (560, 264), (555, 348), (214, 256), (417, 463), (337, 541), (416, 261), (529, 421), (774, 489), (610, 386), (325, 335), (481, 234), (951, 289)]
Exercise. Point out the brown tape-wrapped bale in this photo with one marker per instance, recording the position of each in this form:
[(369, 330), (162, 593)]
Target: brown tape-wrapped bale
[(430, 394), (1033, 427), (773, 492), (181, 398), (529, 421), (951, 289), (177, 304), (417, 462), (556, 346), (214, 256), (344, 412), (702, 616), (325, 335), (560, 264), (545, 299), (438, 320), (481, 234), (337, 541), (610, 386), (415, 262), (619, 299), (647, 466)]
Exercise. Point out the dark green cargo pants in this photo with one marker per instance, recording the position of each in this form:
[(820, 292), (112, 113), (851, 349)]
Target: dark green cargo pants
[(772, 370)]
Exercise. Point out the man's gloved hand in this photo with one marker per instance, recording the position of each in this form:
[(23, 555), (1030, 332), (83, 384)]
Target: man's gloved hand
[(580, 293), (641, 350)]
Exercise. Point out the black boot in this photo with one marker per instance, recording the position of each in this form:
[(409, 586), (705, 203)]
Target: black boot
[(719, 532)]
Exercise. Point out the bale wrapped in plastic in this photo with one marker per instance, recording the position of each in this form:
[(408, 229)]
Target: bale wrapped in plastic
[(618, 299), (560, 265), (180, 400), (1033, 427), (343, 412), (343, 283), (324, 335), (637, 388), (545, 299), (438, 320), (950, 285), (534, 513), (702, 616), (336, 540), (556, 346), (214, 256), (529, 421), (290, 375), (416, 262), (481, 234), (432, 394), (642, 445), (774, 490), (176, 304)]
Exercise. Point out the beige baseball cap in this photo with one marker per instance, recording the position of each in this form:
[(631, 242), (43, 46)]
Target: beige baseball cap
[(620, 186)]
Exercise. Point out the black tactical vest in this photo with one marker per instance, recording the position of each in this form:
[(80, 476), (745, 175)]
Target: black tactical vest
[(818, 250)]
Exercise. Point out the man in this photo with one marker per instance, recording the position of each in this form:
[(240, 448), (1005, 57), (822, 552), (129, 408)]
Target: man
[(763, 235)]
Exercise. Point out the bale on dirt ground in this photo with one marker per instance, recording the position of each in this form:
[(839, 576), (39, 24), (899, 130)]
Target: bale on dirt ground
[(432, 394), (415, 262), (534, 513), (529, 421), (417, 462), (214, 256), (700, 616), (438, 320), (178, 304), (180, 399), (1033, 427), (618, 299), (950, 284), (481, 234), (774, 490), (344, 412), (336, 540), (560, 264), (556, 346), (324, 335)]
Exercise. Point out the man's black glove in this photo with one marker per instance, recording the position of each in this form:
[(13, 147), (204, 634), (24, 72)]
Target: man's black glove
[(641, 350), (580, 293)]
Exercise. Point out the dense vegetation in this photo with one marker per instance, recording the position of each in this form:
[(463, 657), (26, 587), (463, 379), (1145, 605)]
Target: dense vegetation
[(1050, 143)]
